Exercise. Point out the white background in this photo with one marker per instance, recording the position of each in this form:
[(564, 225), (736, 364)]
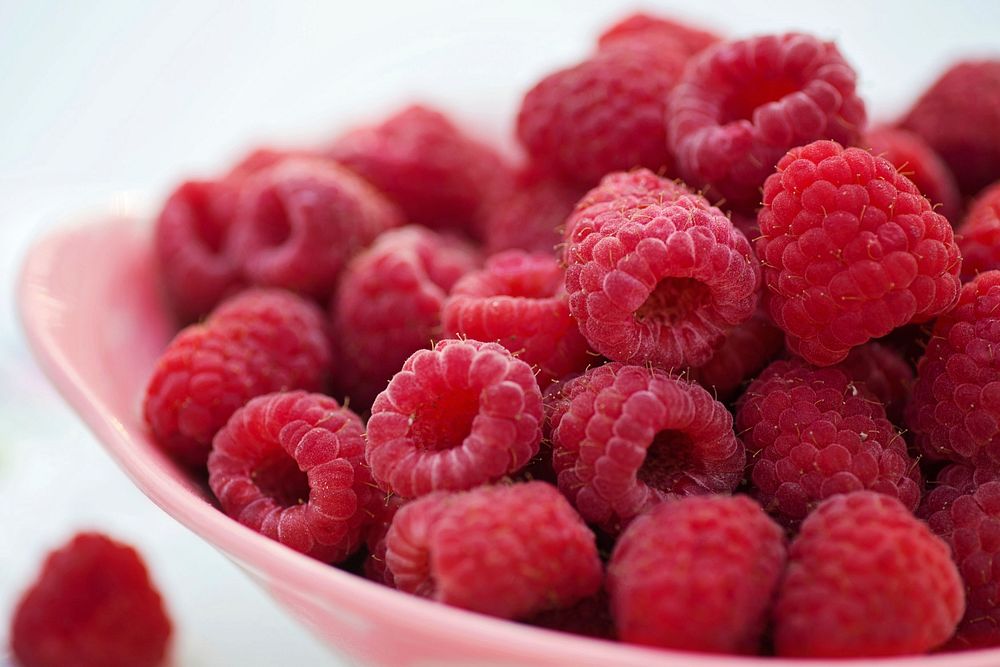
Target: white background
[(101, 98)]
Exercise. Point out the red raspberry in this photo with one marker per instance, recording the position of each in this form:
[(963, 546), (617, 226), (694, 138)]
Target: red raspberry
[(299, 222), (388, 305), (290, 465), (959, 116), (657, 32), (380, 515), (590, 617), (851, 251), (886, 374), (865, 578), (812, 433), (626, 437), (263, 158), (656, 275), (255, 343), (697, 574), (741, 105), (189, 242), (93, 605), (519, 301), (954, 412), (979, 235), (509, 551), (455, 417), (426, 165)]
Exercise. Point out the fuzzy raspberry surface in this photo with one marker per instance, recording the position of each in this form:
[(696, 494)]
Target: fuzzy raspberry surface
[(697, 574), (979, 234), (456, 416), (885, 373), (509, 550), (92, 605), (851, 251), (626, 437), (866, 578), (657, 32), (260, 341), (741, 105)]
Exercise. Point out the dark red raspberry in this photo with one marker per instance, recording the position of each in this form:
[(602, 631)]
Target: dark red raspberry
[(425, 164), (380, 515), (290, 465), (741, 105), (865, 578), (189, 242), (518, 300), (602, 115), (656, 32), (93, 605), (697, 574), (954, 412), (913, 158), (255, 343), (455, 417), (656, 275), (510, 551), (388, 305), (299, 221), (590, 617), (626, 437), (851, 251), (959, 117), (979, 234), (811, 433), (886, 374)]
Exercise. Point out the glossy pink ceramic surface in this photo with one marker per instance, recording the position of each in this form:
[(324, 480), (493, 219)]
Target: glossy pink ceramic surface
[(93, 317)]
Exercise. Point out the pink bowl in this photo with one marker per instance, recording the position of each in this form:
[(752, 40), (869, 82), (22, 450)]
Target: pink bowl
[(94, 320)]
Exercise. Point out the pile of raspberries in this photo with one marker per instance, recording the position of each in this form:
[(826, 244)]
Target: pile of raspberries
[(706, 370)]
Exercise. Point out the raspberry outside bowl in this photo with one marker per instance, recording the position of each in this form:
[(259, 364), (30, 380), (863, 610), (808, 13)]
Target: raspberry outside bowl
[(97, 327)]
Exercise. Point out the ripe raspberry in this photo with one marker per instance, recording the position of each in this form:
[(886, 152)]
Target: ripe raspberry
[(959, 117), (812, 433), (741, 105), (865, 578), (299, 221), (290, 465), (455, 417), (886, 374), (851, 251), (380, 515), (426, 165), (913, 158), (657, 32), (263, 158), (255, 343), (697, 574), (602, 115), (626, 437), (93, 605), (656, 275), (189, 242), (518, 300), (979, 235), (954, 412), (510, 551), (590, 617), (388, 305)]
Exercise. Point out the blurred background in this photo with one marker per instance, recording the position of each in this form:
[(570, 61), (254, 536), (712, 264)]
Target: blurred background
[(114, 102)]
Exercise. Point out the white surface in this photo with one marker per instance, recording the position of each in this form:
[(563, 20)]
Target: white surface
[(97, 98)]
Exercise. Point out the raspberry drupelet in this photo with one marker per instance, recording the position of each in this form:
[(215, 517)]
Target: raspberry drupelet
[(979, 234), (851, 251), (459, 415), (627, 437)]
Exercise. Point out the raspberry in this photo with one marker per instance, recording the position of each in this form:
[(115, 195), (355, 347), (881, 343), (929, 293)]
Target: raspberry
[(865, 578), (851, 251), (426, 165), (954, 412), (509, 551), (93, 605), (519, 301), (812, 433), (886, 374), (741, 105), (697, 574), (263, 158), (455, 417), (299, 221), (959, 117), (657, 32), (590, 617), (656, 275), (381, 513), (189, 242), (913, 158), (388, 305), (626, 437), (979, 235), (602, 115), (255, 343)]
